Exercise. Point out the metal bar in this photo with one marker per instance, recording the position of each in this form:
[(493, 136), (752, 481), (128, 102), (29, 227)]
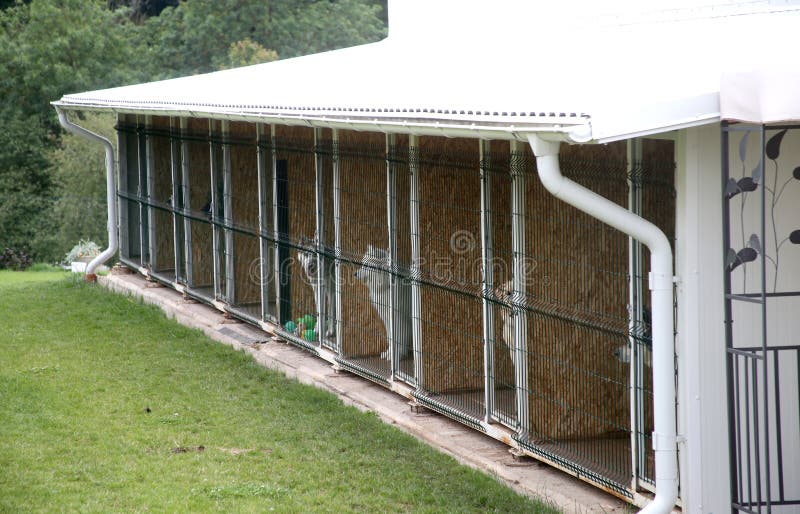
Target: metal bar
[(174, 167), (731, 369), (635, 295), (487, 256), (263, 211), (122, 184), (756, 433), (212, 148), (770, 348), (735, 433), (742, 298), (416, 292), (778, 435), (747, 353), (519, 279), (319, 240), (152, 253), (391, 221), (141, 148), (227, 216), (768, 295), (337, 243), (186, 197), (747, 420), (765, 368), (275, 223)]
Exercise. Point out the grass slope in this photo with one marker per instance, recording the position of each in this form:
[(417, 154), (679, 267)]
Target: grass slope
[(105, 405)]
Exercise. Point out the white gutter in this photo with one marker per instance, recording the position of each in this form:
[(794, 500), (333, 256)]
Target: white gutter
[(510, 128), (661, 294), (111, 193)]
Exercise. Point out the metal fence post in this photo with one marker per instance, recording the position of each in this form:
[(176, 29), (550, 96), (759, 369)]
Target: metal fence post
[(152, 254), (214, 203), (186, 205), (174, 169), (391, 215), (520, 282), (635, 311), (487, 257), (227, 215), (416, 293), (337, 234), (263, 206), (320, 239)]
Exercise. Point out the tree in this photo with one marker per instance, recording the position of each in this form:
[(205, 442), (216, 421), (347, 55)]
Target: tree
[(195, 36), (247, 52), (142, 9)]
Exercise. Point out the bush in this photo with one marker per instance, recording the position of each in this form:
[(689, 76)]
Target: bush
[(13, 259)]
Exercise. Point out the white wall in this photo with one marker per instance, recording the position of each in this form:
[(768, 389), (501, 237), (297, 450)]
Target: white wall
[(700, 345)]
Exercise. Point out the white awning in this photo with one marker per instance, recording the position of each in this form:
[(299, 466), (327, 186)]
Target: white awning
[(765, 96)]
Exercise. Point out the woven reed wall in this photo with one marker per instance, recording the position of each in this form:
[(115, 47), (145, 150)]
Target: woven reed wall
[(450, 213), (295, 145), (578, 291), (199, 193), (498, 163), (362, 204), (164, 258), (244, 204)]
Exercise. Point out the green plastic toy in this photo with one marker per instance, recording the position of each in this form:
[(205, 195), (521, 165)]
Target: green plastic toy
[(310, 335), (290, 327)]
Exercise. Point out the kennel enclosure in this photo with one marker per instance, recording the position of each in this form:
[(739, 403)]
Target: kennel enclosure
[(438, 267)]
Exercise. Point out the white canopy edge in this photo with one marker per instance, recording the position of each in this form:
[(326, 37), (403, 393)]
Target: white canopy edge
[(762, 96)]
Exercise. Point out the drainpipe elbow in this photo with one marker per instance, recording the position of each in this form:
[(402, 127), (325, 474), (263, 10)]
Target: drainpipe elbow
[(111, 192)]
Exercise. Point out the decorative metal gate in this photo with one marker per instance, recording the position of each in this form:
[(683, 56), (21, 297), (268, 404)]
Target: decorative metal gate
[(761, 236)]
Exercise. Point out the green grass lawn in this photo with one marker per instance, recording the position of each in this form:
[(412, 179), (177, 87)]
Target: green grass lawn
[(107, 406)]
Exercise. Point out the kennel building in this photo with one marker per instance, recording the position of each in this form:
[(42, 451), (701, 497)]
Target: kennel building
[(438, 233)]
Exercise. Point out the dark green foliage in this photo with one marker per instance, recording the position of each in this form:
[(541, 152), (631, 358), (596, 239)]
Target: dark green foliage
[(15, 260), (141, 9), (51, 187)]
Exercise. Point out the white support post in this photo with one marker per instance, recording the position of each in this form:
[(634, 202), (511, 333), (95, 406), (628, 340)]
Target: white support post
[(187, 205), (151, 189), (174, 169), (337, 230), (487, 257), (416, 293), (263, 210), (391, 221), (635, 311), (227, 215), (320, 239), (520, 283)]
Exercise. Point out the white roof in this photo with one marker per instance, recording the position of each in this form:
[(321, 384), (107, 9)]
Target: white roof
[(456, 67)]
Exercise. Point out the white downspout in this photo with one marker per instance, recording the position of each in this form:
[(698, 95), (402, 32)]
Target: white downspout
[(111, 193), (661, 280)]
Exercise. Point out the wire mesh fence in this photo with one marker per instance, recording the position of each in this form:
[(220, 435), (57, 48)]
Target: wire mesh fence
[(441, 263)]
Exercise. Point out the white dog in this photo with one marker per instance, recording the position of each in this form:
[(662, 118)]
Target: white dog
[(372, 273), (505, 293), (308, 260)]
